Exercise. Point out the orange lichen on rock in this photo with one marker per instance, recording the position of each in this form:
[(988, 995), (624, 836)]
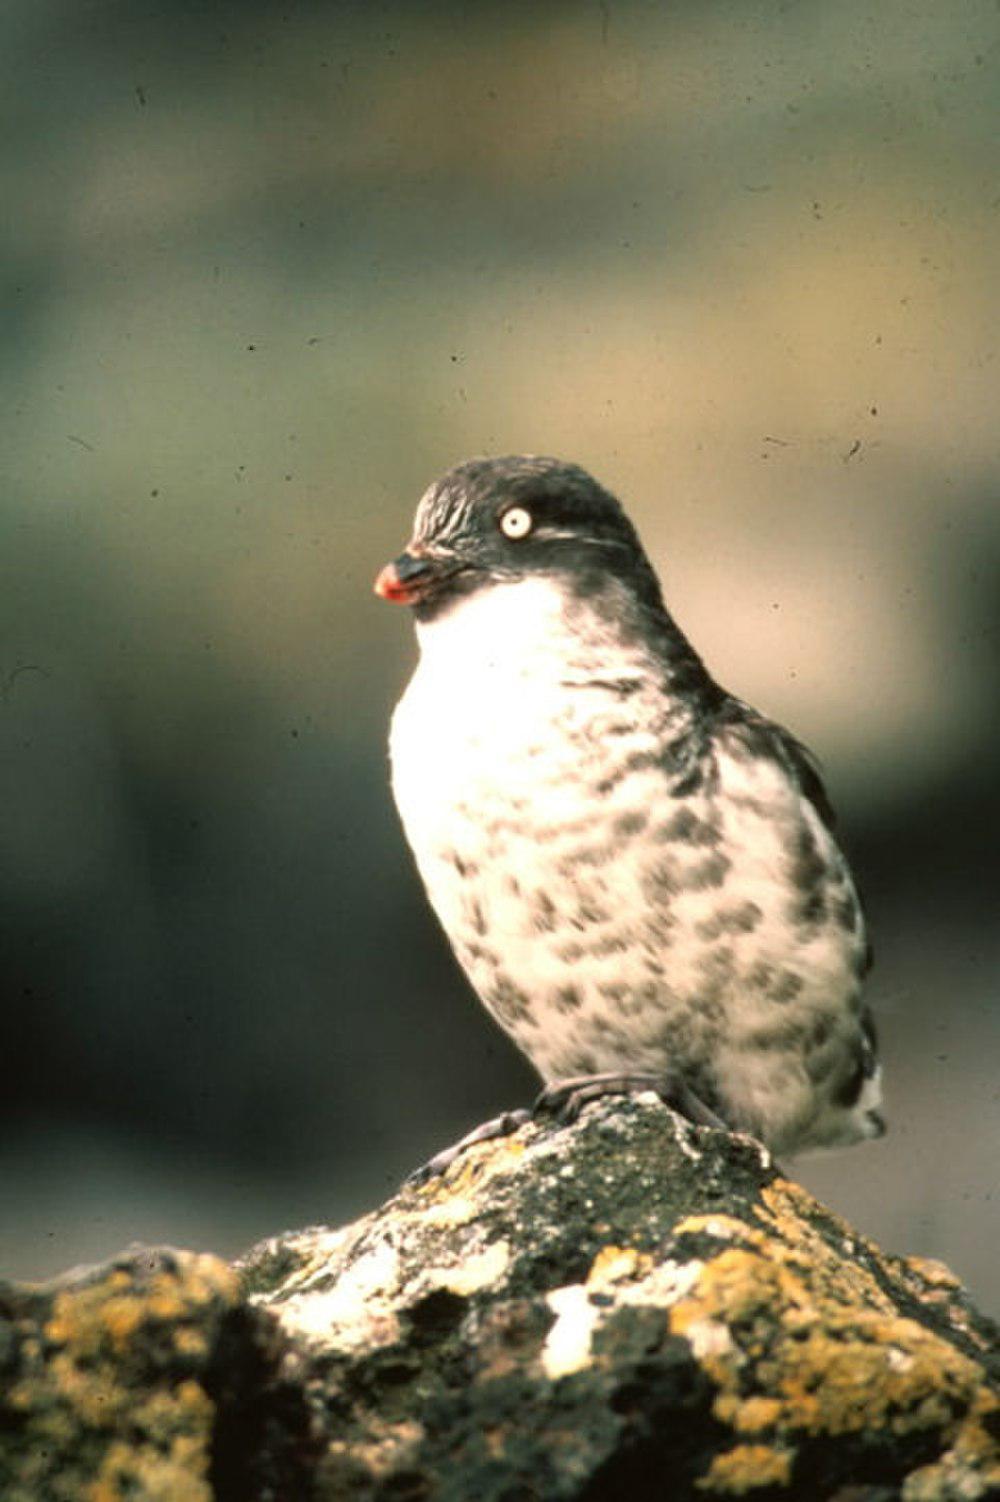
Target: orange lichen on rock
[(618, 1264), (747, 1415), (611, 1309), (112, 1386), (816, 1345), (747, 1468), (105, 1315), (932, 1272)]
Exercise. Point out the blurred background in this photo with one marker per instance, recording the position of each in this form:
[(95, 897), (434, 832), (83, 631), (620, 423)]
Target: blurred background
[(268, 270)]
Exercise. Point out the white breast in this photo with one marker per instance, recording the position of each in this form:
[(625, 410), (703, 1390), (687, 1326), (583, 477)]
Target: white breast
[(488, 733), (478, 715)]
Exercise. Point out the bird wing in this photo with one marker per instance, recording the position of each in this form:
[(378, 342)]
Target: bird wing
[(769, 738)]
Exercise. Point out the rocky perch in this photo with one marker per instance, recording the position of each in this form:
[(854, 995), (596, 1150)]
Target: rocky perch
[(630, 1307)]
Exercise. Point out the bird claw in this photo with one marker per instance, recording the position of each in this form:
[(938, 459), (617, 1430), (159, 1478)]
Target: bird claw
[(562, 1101), (565, 1099), (487, 1131)]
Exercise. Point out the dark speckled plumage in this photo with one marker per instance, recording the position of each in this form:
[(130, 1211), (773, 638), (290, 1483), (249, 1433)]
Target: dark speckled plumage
[(637, 870)]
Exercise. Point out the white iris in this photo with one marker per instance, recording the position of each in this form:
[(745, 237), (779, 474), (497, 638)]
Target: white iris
[(516, 522)]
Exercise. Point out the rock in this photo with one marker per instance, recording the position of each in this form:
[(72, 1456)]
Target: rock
[(626, 1308), (141, 1379)]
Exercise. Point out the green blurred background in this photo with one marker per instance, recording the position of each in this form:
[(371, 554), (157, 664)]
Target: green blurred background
[(268, 270)]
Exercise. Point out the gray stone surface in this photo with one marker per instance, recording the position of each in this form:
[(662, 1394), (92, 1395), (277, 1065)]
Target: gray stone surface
[(628, 1307)]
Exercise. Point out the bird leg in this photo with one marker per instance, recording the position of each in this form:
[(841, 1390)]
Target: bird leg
[(565, 1099), (488, 1131)]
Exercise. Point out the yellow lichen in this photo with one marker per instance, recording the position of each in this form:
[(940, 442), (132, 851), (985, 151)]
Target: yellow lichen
[(98, 1378), (93, 1393), (736, 1285), (477, 1165), (133, 1470), (190, 1341), (122, 1316), (747, 1468), (618, 1264), (817, 1345), (931, 1271), (112, 1310), (747, 1415)]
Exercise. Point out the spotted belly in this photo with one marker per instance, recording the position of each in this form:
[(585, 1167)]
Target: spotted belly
[(631, 921)]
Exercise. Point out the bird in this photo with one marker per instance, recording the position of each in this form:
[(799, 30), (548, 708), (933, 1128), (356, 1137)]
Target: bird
[(637, 871)]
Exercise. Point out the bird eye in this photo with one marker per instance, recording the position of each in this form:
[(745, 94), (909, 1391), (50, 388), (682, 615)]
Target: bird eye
[(516, 522)]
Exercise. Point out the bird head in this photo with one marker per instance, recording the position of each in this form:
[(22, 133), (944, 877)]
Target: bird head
[(488, 522)]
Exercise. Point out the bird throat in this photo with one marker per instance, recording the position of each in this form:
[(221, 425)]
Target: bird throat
[(519, 687), (531, 630)]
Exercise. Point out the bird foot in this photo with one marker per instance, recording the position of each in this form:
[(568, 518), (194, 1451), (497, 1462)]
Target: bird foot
[(562, 1101), (488, 1131), (565, 1099)]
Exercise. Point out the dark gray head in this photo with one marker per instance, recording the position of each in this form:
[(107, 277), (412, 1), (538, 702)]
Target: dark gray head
[(489, 521)]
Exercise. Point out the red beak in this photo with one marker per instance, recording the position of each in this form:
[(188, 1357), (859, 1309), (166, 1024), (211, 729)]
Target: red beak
[(405, 580)]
